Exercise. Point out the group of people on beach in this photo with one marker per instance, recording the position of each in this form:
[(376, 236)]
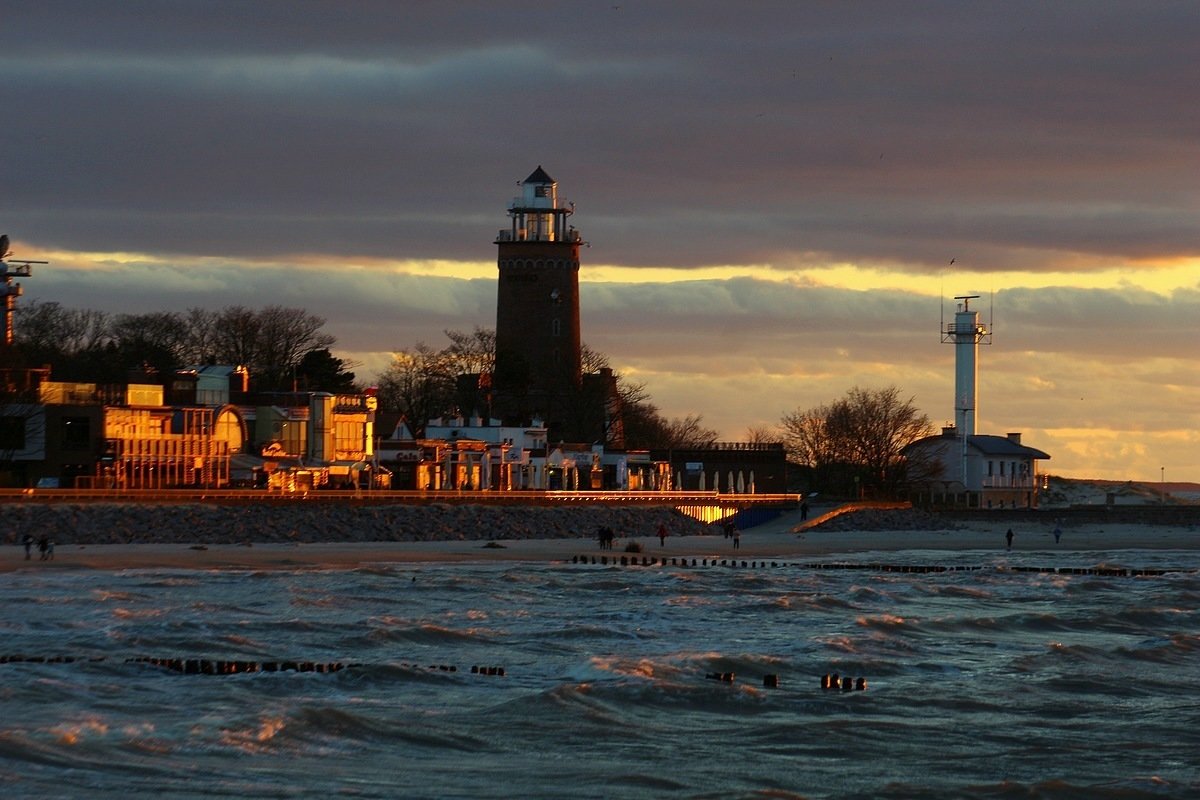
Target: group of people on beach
[(606, 537), (733, 532), (45, 546)]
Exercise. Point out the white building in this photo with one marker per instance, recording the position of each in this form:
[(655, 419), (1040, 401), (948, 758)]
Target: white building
[(963, 468), (977, 471)]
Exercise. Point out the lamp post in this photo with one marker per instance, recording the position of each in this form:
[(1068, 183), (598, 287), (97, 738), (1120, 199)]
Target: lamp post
[(1162, 486)]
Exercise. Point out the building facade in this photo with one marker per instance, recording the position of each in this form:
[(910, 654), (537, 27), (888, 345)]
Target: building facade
[(978, 471)]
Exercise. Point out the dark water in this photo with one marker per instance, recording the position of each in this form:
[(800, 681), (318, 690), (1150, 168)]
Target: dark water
[(990, 684)]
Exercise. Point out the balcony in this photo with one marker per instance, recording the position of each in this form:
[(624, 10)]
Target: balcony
[(1008, 482)]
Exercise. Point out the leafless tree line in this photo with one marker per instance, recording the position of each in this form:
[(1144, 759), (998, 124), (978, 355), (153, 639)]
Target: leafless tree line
[(856, 442), (273, 342), (421, 383)]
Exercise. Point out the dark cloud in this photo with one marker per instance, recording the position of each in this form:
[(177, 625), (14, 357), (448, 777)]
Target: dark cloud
[(711, 133)]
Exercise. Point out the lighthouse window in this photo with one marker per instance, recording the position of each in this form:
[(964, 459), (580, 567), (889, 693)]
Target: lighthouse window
[(541, 191)]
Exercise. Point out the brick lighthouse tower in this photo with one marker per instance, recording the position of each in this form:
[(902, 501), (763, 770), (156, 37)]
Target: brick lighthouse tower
[(537, 369)]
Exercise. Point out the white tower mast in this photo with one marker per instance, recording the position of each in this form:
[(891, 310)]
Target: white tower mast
[(966, 333)]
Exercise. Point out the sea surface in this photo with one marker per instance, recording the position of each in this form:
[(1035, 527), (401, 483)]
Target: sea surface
[(988, 683)]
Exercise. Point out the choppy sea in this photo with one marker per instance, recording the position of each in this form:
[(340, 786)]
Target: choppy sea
[(988, 683)]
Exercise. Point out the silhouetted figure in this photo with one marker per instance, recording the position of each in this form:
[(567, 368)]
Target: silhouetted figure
[(43, 547), (27, 540), (662, 534), (1008, 537), (606, 536), (737, 538), (803, 511)]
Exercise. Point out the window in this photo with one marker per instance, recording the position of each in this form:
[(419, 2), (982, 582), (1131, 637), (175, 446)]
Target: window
[(12, 433), (76, 433), (348, 438), (556, 327)]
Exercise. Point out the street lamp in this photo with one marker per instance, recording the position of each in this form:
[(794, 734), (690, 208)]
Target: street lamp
[(1162, 486)]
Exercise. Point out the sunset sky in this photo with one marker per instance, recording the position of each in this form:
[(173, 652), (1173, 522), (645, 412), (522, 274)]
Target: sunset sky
[(773, 193)]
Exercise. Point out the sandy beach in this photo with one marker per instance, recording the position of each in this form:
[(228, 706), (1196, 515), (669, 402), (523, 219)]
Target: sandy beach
[(774, 540)]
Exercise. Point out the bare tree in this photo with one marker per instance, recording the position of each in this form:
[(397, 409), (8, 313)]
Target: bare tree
[(471, 353), (418, 385), (688, 432), (592, 360), (48, 333), (762, 434), (858, 437), (286, 335), (155, 339), (808, 438), (202, 333), (236, 339)]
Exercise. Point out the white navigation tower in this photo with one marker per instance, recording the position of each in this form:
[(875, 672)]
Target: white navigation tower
[(966, 333)]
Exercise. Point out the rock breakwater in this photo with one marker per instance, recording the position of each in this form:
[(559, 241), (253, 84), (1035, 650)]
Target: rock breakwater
[(145, 523), (888, 519)]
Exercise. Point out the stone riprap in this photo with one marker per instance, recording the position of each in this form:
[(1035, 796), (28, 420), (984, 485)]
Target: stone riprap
[(130, 523), (878, 519)]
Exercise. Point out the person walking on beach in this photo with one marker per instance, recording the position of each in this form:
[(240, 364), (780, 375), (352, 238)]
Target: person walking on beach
[(43, 546), (27, 540), (737, 537), (50, 550), (1008, 537), (1057, 534), (662, 534)]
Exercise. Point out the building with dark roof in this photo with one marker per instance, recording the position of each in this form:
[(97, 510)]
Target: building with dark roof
[(978, 471)]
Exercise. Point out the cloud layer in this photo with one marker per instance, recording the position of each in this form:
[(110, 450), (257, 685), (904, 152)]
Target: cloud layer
[(787, 154)]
